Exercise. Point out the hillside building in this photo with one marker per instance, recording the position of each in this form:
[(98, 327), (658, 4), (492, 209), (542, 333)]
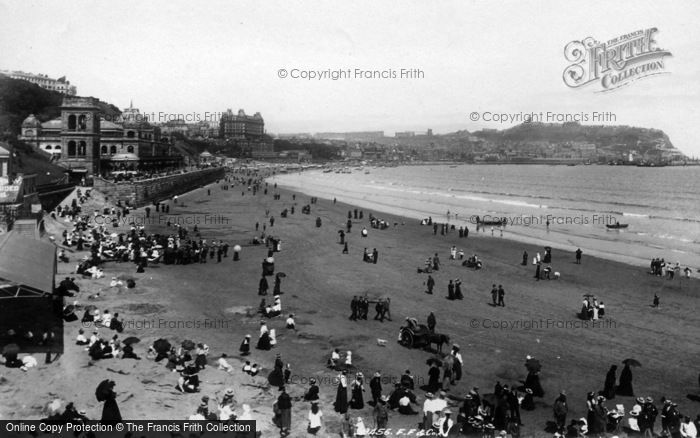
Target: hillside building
[(87, 144), (60, 85)]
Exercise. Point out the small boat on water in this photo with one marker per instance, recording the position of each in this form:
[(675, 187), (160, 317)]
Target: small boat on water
[(491, 221), (616, 226)]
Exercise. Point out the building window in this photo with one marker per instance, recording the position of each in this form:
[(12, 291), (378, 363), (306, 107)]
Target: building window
[(48, 147), (103, 150), (82, 122), (130, 134), (71, 148), (82, 149), (71, 122), (112, 150), (130, 149)]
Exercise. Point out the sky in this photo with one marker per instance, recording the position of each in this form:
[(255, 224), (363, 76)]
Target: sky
[(198, 59)]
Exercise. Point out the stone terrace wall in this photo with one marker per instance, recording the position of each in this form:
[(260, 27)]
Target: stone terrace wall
[(139, 193)]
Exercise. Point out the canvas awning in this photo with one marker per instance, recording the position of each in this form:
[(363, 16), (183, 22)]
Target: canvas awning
[(27, 262), (124, 157)]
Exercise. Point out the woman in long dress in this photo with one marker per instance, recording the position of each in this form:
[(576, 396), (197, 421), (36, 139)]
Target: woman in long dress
[(625, 386), (609, 387), (284, 404), (110, 410), (341, 397), (528, 403), (357, 400), (532, 381), (591, 404), (457, 364), (264, 341), (276, 376), (433, 378), (245, 346)]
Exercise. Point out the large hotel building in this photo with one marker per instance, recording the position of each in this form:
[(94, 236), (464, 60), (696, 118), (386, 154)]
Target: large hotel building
[(60, 85), (248, 132)]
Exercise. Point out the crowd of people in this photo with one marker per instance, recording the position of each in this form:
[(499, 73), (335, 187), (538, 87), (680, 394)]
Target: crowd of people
[(660, 268), (437, 411), (591, 309)]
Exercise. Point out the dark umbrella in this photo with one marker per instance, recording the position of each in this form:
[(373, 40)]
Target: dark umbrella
[(131, 340), (162, 346), (187, 344), (10, 349), (588, 296), (104, 390), (533, 365), (69, 309), (281, 274), (434, 360), (632, 362), (693, 397)]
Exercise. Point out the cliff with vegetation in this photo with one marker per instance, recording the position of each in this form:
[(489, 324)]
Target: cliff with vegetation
[(624, 139), (19, 99)]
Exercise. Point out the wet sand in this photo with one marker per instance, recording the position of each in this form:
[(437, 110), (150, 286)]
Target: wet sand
[(210, 303)]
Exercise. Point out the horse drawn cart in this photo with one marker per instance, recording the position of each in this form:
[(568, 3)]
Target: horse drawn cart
[(415, 335)]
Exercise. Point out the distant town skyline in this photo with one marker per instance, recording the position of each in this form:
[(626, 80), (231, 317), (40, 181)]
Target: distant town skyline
[(459, 58)]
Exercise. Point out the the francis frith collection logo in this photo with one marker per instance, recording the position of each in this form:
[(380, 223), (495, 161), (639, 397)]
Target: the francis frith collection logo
[(614, 63)]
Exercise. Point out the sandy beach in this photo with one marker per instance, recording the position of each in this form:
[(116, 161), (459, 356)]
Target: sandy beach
[(215, 303)]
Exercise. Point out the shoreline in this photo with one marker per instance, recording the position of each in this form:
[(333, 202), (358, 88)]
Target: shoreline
[(319, 285), (559, 235)]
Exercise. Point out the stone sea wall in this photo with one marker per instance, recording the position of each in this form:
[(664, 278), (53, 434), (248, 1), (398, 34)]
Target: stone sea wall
[(139, 193)]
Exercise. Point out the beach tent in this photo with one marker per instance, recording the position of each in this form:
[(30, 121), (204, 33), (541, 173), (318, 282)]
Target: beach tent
[(27, 272), (27, 266)]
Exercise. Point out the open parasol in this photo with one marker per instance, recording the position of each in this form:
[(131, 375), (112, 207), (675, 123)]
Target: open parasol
[(131, 340), (162, 345), (104, 390), (237, 248), (270, 260), (281, 274), (632, 362), (533, 365), (187, 344), (434, 360)]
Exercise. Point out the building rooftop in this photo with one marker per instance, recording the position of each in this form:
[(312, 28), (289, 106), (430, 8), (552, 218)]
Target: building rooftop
[(31, 122), (27, 261), (53, 124)]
